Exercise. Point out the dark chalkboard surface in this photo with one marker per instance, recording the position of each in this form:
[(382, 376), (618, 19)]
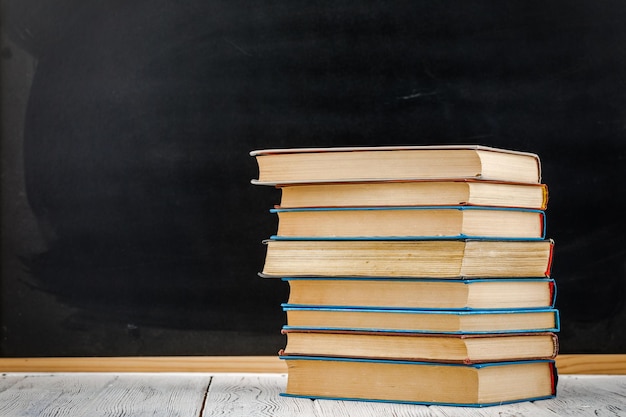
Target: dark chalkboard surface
[(129, 225)]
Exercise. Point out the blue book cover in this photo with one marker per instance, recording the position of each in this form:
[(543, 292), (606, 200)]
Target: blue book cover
[(399, 381), (420, 222), (421, 321)]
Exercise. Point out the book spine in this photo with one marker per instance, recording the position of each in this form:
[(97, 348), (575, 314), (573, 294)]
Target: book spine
[(553, 293), (546, 197), (555, 377), (550, 259)]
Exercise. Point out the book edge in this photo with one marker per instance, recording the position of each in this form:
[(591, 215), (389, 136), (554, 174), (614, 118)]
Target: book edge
[(475, 405), (270, 151)]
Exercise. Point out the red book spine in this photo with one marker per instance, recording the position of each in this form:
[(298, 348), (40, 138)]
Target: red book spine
[(550, 258)]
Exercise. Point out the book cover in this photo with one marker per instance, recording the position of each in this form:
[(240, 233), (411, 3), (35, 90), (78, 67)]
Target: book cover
[(307, 165), (425, 383), (417, 222), (275, 151), (403, 258), (414, 346), (466, 192), (421, 321), (422, 293)]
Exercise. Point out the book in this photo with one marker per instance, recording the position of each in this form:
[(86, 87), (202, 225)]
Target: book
[(424, 294), (306, 165), (421, 321), (449, 222), (450, 259), (420, 382), (420, 347), (415, 193)]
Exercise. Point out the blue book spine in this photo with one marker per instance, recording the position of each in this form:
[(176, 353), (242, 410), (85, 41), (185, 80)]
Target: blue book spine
[(555, 328)]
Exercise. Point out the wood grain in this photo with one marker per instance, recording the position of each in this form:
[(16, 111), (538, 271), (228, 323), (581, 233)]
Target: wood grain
[(592, 364), (106, 395), (195, 394), (252, 395), (256, 395), (594, 395), (566, 364), (211, 364)]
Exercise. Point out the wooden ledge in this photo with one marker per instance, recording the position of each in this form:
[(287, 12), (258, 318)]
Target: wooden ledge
[(566, 364), (591, 364), (209, 364)]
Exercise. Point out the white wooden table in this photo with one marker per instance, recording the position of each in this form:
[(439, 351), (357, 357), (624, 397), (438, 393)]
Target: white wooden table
[(248, 395)]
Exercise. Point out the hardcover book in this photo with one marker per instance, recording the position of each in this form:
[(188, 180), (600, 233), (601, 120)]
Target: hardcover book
[(305, 165), (450, 222), (420, 382), (463, 348), (421, 321), (415, 193), (425, 294), (450, 259)]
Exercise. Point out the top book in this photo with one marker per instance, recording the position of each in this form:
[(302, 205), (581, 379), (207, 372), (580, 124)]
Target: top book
[(393, 163)]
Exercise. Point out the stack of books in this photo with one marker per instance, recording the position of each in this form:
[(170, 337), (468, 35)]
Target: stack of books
[(417, 274)]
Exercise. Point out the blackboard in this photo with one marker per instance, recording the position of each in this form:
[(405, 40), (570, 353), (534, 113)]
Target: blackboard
[(129, 224)]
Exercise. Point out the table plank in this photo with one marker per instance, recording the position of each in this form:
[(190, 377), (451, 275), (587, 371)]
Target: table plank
[(79, 395), (601, 396), (527, 408), (37, 395), (331, 408), (140, 395), (252, 395), (7, 381)]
